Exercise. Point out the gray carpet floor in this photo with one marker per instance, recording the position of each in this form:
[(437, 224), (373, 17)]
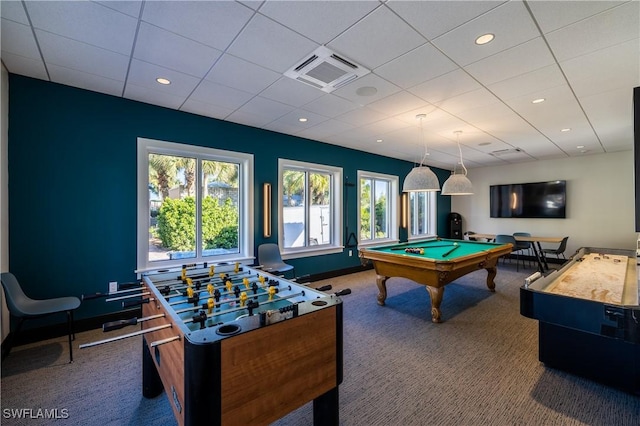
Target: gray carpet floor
[(478, 367)]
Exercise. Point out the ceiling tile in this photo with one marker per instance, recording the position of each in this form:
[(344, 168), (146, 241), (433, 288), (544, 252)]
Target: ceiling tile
[(466, 101), (291, 92), (434, 18), (416, 66), (214, 23), (18, 39), (85, 21), (330, 105), (529, 83), (154, 97), (24, 66), (326, 129), (266, 108), (446, 86), (206, 109), (143, 74), (351, 90), (397, 103), (553, 15), (376, 39), (169, 50), (85, 80), (240, 74), (219, 95), (321, 21), (521, 59), (608, 28), (510, 23), (14, 11), (131, 8), (271, 45), (604, 70), (83, 57)]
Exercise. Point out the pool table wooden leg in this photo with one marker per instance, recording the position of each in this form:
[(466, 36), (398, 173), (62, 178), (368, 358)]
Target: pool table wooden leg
[(435, 293), (381, 281), (491, 274)]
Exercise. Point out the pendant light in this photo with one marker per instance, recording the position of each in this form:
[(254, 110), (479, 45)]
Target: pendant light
[(458, 184), (421, 178)]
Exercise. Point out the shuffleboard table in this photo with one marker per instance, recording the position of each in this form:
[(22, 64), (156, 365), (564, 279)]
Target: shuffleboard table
[(434, 263)]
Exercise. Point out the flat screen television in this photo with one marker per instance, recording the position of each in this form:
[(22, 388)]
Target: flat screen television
[(538, 200)]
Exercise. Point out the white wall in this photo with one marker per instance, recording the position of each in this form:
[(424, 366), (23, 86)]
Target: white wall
[(4, 190), (600, 200)]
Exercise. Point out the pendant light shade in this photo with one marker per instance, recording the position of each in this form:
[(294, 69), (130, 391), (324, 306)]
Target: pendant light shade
[(421, 178), (458, 184)]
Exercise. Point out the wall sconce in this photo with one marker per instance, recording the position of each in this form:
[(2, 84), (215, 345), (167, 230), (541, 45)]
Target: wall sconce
[(266, 209), (404, 210)]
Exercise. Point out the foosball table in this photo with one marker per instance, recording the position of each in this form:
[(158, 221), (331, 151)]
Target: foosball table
[(233, 345)]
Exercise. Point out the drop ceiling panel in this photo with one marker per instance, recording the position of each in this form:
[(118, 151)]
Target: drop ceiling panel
[(330, 105), (214, 23), (521, 59), (242, 75), (263, 107), (161, 47), (351, 90), (509, 22), (88, 22), (291, 92), (271, 45), (153, 97), (318, 20), (144, 74), (604, 70), (529, 83), (554, 15), (612, 116), (83, 57), (614, 26), (416, 66), (14, 11), (131, 8), (85, 80), (361, 116), (25, 66), (369, 45), (18, 39), (326, 129), (398, 103), (434, 18), (467, 101), (446, 86), (219, 95), (206, 109)]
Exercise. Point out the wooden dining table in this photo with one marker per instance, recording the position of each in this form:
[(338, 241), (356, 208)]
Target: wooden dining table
[(535, 244)]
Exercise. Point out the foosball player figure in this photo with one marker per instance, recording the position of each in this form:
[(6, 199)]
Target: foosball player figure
[(253, 304), (254, 289), (245, 281), (236, 291), (243, 299), (210, 288), (200, 318), (272, 292), (216, 295), (212, 270), (229, 285), (210, 304), (261, 279), (236, 269)]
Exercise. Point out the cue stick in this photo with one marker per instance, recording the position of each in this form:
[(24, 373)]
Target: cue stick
[(450, 251), (421, 247)]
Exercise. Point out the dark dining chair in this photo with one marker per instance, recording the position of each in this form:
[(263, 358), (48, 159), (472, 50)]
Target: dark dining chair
[(524, 246), (558, 251), (23, 307), (271, 261), (508, 239)]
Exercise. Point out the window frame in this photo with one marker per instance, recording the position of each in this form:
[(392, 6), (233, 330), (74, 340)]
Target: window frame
[(245, 205), (336, 209), (393, 207), (432, 224)]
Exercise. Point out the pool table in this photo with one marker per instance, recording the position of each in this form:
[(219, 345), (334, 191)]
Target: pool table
[(436, 263)]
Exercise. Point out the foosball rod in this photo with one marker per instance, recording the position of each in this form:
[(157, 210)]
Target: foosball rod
[(129, 296), (164, 341), (116, 325), (179, 285), (229, 270), (125, 336), (100, 295)]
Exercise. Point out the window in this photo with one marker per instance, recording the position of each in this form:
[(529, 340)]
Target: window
[(193, 205), (422, 214), (310, 205), (377, 209)]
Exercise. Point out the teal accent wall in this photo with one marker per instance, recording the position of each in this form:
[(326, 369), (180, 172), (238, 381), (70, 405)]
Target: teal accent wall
[(72, 184)]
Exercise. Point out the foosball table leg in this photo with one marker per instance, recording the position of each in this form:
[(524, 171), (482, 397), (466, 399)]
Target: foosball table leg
[(326, 409), (151, 381)]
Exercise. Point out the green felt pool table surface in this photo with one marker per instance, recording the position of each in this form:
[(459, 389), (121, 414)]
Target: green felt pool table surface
[(436, 267)]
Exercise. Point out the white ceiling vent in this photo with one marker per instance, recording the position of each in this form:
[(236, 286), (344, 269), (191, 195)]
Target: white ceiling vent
[(325, 70)]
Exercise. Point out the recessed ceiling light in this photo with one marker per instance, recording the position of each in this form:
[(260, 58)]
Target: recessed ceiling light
[(484, 39), (162, 80), (580, 146), (379, 140), (537, 101), (302, 120), (566, 129)]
